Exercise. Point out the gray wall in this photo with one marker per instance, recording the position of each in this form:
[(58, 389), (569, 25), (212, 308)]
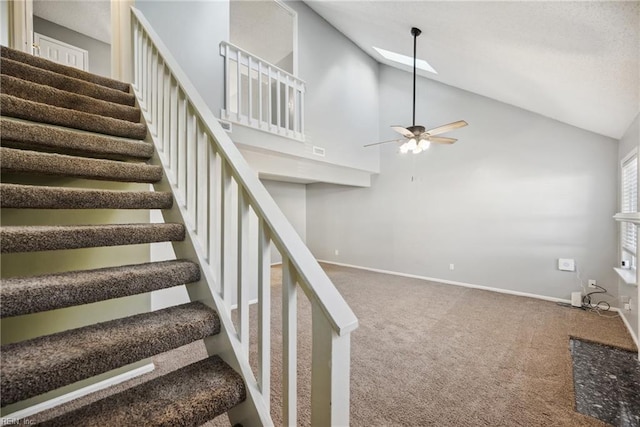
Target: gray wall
[(192, 31), (341, 101), (629, 141), (4, 22), (514, 194), (99, 52), (291, 199)]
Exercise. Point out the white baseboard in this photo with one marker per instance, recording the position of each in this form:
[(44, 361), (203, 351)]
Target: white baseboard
[(628, 325), (32, 410), (452, 282), (486, 288)]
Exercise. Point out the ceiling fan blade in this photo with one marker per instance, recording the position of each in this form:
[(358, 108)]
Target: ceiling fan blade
[(384, 142), (442, 140), (403, 131), (446, 128)]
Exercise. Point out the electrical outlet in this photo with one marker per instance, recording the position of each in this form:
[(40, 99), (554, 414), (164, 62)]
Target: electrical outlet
[(592, 283), (627, 306), (336, 252), (452, 267)]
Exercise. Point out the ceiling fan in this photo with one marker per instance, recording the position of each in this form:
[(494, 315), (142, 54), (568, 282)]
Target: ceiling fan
[(418, 138)]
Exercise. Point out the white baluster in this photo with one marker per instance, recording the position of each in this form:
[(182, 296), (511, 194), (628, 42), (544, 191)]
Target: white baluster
[(264, 311), (166, 109), (239, 85), (278, 101), (182, 148), (289, 344), (227, 77), (173, 136), (330, 366), (191, 148), (242, 266), (260, 118), (250, 90), (202, 193), (226, 199), (286, 103)]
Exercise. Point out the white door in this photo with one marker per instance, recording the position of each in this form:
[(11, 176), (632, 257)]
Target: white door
[(61, 52)]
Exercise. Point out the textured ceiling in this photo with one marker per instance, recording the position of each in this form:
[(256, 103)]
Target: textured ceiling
[(89, 17), (576, 62)]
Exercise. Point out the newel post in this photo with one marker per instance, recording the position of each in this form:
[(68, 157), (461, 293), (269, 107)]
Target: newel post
[(330, 373)]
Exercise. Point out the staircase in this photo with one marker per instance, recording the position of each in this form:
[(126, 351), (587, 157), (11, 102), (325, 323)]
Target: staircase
[(61, 122)]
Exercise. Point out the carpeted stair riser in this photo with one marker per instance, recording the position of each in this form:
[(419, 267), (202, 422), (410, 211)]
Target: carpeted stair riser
[(55, 237), (59, 98), (189, 396), (42, 364), (31, 162), (43, 113), (38, 197), (33, 136), (26, 295), (35, 61), (59, 121), (62, 82)]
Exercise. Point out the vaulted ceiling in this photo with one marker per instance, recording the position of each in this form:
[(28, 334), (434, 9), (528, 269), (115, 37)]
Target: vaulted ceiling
[(576, 62)]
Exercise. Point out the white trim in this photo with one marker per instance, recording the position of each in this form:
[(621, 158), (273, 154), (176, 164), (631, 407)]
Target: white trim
[(452, 282), (56, 401), (628, 325), (628, 275), (294, 46), (486, 288), (633, 217)]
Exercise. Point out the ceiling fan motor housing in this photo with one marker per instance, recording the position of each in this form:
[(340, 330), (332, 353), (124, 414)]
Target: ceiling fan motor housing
[(416, 130)]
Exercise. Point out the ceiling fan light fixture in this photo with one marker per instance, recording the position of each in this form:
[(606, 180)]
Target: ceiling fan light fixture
[(419, 139)]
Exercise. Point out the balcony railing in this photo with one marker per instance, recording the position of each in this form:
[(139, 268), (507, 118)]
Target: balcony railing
[(261, 95)]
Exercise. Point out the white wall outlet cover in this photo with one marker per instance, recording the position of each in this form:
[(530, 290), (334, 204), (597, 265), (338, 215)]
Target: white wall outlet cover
[(566, 264)]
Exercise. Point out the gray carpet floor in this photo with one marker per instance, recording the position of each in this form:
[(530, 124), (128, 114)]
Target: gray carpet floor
[(429, 354)]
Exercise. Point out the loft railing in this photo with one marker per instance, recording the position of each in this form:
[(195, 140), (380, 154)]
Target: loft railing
[(261, 95), (216, 193)]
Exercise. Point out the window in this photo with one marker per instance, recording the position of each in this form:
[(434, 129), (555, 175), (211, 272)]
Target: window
[(629, 203)]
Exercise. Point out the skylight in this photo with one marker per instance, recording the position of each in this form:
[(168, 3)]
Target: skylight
[(405, 60)]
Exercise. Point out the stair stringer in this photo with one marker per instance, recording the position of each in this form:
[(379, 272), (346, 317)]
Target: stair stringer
[(253, 411)]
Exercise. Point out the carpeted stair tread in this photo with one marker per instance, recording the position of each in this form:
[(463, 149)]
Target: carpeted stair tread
[(51, 96), (37, 112), (41, 197), (62, 82), (29, 135), (54, 237), (33, 162), (189, 396), (35, 366), (25, 295), (35, 61)]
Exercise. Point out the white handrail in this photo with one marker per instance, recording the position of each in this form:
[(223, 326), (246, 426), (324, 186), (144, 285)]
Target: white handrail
[(208, 175), (257, 109)]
